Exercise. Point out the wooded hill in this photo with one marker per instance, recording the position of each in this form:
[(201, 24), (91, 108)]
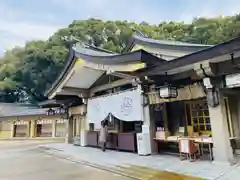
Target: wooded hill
[(26, 72)]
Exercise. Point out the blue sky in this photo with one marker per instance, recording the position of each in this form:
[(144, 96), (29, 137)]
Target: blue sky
[(24, 20)]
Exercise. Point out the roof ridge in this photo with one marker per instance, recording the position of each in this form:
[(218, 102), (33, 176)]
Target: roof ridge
[(135, 36), (100, 49)]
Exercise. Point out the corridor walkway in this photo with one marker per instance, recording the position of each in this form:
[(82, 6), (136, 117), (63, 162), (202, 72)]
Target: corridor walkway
[(142, 166)]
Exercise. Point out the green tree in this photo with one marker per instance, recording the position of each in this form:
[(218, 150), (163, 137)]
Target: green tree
[(25, 73)]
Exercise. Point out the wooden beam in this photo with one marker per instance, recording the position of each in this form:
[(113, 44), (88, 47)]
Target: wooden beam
[(109, 86), (228, 67), (230, 91), (123, 75), (188, 74), (74, 89), (66, 93), (224, 48)]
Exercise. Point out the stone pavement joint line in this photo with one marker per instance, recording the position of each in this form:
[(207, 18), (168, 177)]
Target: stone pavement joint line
[(222, 176), (125, 163), (90, 165), (131, 171)]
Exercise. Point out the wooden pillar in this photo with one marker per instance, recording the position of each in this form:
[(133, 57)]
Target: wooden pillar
[(84, 124), (150, 123), (165, 117), (78, 125), (222, 150), (69, 130), (12, 129), (53, 128), (33, 129), (72, 126), (28, 128), (67, 125), (121, 126)]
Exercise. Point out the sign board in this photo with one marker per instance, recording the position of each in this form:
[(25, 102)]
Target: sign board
[(232, 80)]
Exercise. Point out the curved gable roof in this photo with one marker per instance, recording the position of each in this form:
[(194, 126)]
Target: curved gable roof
[(114, 58), (101, 56), (70, 62), (226, 47)]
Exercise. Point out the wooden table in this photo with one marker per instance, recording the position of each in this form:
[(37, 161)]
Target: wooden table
[(199, 140), (165, 141), (208, 142), (203, 141)]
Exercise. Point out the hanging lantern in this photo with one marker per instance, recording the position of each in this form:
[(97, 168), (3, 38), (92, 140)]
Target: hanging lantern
[(167, 90)]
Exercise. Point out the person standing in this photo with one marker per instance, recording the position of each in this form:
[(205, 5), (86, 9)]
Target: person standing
[(103, 135)]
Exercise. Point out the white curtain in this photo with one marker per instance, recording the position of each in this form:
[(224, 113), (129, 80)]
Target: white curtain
[(126, 106)]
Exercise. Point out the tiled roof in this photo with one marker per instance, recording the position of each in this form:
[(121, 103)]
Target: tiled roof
[(91, 51)]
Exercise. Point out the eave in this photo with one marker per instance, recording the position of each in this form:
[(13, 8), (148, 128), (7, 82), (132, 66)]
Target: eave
[(117, 59), (51, 103), (66, 69), (91, 56), (210, 54), (70, 63), (63, 100)]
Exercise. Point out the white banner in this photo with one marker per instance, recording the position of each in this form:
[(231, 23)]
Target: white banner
[(126, 106)]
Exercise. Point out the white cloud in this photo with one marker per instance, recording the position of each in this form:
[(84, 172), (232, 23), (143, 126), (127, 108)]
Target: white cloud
[(28, 30), (20, 25), (209, 9), (17, 33), (15, 30), (142, 10), (136, 10), (8, 43)]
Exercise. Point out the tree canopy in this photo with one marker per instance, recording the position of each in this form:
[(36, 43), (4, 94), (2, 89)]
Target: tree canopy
[(26, 72)]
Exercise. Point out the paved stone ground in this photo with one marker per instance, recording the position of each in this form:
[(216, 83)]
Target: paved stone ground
[(129, 163), (21, 160)]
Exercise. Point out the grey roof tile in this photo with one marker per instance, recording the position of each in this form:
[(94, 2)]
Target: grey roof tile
[(90, 51), (168, 42), (14, 109)]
